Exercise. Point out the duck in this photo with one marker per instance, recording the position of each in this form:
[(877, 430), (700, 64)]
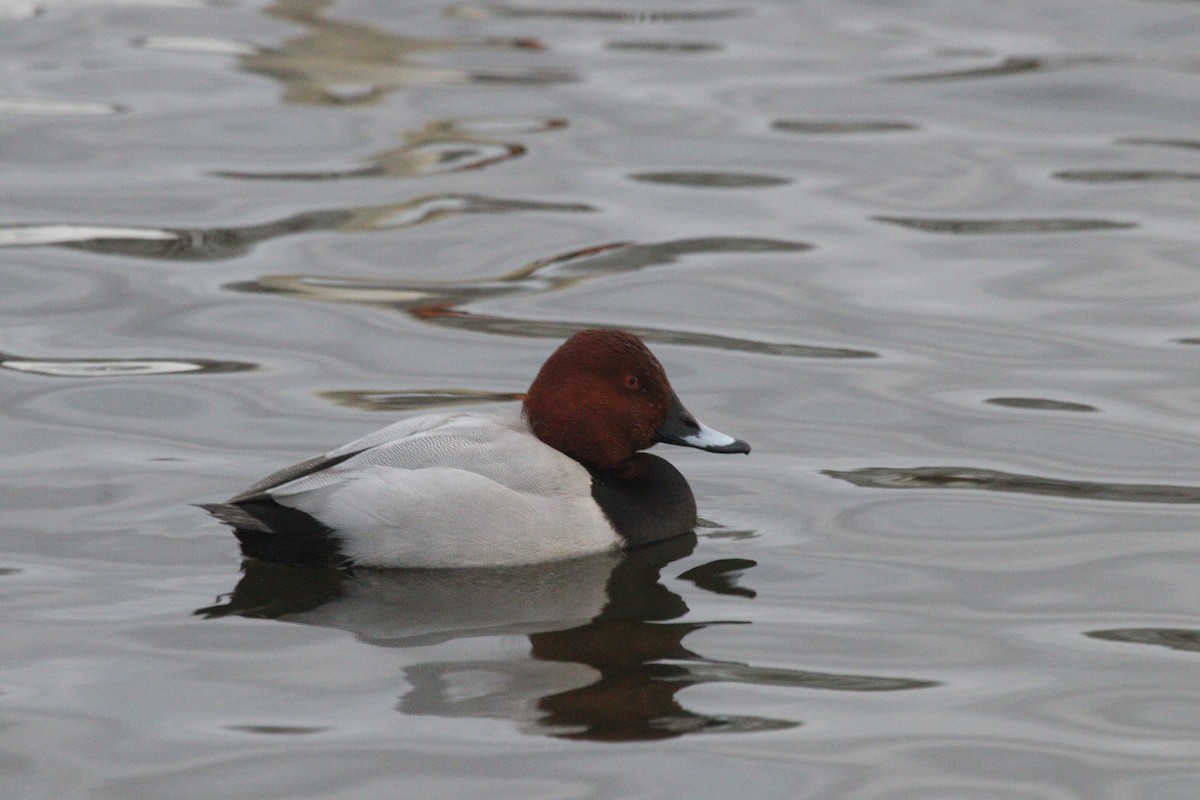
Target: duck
[(563, 476)]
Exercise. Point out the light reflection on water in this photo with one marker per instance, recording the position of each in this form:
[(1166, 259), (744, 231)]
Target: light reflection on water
[(938, 246), (99, 367)]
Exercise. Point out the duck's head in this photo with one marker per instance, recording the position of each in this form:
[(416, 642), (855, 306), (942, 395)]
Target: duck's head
[(602, 396)]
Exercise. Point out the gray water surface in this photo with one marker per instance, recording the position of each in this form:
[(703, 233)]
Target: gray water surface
[(939, 262)]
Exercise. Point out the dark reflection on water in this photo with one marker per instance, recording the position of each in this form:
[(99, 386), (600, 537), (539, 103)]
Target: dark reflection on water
[(414, 399), (608, 614), (721, 576), (1185, 639), (1021, 225), (118, 367), (1015, 65), (423, 159), (1150, 141), (278, 730), (561, 330), (592, 14), (437, 147), (656, 46), (841, 126), (1125, 175), (441, 303), (209, 244), (995, 481), (1009, 66), (1039, 404), (710, 180), (335, 62), (1012, 65)]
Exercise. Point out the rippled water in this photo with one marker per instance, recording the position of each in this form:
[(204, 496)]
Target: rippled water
[(947, 247)]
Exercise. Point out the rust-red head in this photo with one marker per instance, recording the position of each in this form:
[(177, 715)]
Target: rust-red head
[(602, 396)]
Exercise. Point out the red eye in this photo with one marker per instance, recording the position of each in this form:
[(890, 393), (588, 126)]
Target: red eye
[(631, 381)]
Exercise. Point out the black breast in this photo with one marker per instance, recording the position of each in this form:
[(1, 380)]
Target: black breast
[(646, 500)]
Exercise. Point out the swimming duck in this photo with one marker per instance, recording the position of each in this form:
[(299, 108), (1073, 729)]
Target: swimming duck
[(562, 477)]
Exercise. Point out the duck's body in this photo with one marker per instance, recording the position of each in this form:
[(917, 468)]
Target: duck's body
[(455, 490), (433, 491)]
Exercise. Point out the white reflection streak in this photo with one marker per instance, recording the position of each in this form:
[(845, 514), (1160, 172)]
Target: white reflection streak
[(33, 235), (65, 108), (92, 369), (199, 44)]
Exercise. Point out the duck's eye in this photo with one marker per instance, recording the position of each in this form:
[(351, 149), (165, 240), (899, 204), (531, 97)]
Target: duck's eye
[(631, 381)]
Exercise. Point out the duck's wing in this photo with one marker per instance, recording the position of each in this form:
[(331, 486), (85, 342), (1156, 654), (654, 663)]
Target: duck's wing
[(393, 435), (497, 447)]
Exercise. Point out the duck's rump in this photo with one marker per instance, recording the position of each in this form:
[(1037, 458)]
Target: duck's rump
[(270, 532)]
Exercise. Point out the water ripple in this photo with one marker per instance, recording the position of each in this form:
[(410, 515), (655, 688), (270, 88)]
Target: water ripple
[(414, 399), (481, 12), (841, 127), (721, 576), (494, 126), (563, 330), (435, 148), (279, 730), (1185, 639), (1012, 65), (57, 108), (835, 682), (1015, 65), (197, 44), (441, 303), (118, 367), (1186, 144), (425, 159), (990, 480), (1125, 175), (1018, 225), (1039, 404), (206, 244), (37, 235), (656, 46), (548, 274), (710, 180)]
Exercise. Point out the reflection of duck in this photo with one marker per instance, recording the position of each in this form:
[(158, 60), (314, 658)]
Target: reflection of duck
[(563, 478), (403, 608), (605, 662)]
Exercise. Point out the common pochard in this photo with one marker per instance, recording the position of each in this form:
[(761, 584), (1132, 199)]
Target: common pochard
[(561, 478)]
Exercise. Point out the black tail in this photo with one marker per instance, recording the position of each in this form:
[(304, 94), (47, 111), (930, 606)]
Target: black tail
[(277, 534)]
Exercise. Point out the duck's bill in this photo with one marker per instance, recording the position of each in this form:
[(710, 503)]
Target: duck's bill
[(682, 428)]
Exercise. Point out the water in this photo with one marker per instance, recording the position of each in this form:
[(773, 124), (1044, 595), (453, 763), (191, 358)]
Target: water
[(936, 261)]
